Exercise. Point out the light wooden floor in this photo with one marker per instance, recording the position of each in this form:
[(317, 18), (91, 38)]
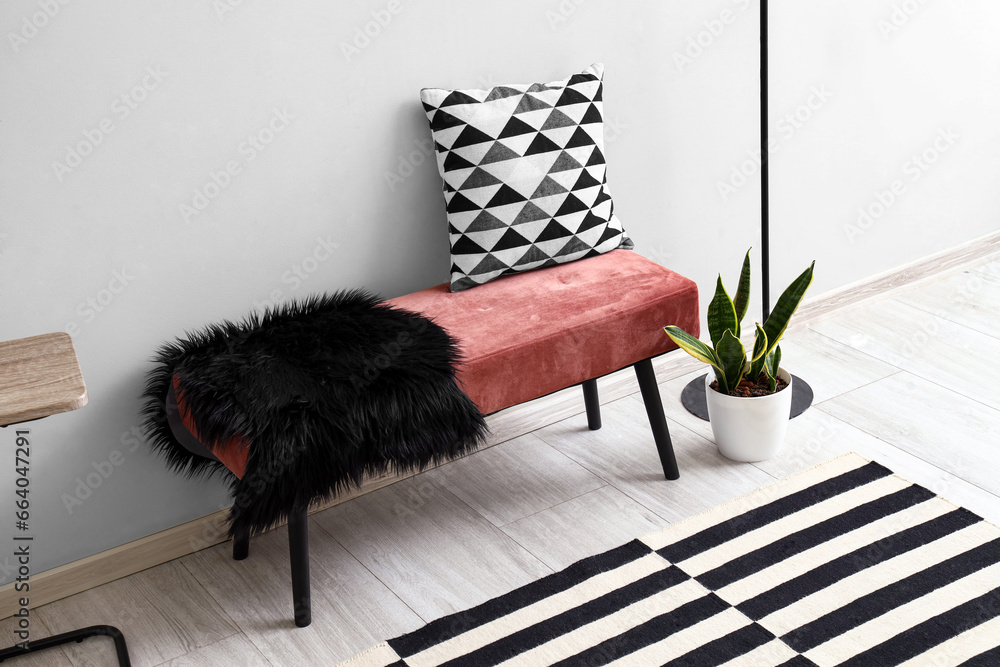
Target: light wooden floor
[(910, 380)]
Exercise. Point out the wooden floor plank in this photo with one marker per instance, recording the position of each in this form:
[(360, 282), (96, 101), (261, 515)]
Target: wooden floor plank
[(351, 609), (991, 269), (971, 299), (162, 612), (817, 436), (828, 366), (935, 424), (53, 657), (235, 650), (590, 524), (623, 454), (431, 549), (924, 344), (515, 479)]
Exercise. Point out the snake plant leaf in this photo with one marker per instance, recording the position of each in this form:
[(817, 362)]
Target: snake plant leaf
[(771, 368), (777, 322), (721, 314), (742, 299), (692, 345), (733, 356), (698, 350), (773, 362), (759, 345)]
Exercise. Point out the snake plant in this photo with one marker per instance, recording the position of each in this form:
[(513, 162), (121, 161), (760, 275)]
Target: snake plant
[(727, 355)]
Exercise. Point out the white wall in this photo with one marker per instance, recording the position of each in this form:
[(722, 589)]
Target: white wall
[(677, 126), (323, 176), (908, 134)]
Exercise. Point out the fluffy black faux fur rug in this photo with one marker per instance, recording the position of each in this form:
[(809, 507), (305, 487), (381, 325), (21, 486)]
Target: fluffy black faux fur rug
[(327, 390)]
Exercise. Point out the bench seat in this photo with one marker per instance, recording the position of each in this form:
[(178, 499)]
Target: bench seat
[(527, 335)]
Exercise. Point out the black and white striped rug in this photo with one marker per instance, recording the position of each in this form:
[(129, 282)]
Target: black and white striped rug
[(842, 564)]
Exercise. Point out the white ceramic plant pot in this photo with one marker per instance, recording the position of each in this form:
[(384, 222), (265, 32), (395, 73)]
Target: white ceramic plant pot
[(749, 429)]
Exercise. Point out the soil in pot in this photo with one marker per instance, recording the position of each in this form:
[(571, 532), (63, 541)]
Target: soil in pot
[(748, 389)]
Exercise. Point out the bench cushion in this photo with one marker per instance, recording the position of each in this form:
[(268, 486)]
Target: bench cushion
[(527, 335)]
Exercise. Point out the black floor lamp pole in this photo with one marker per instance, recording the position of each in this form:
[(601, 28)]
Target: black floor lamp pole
[(693, 396), (765, 180)]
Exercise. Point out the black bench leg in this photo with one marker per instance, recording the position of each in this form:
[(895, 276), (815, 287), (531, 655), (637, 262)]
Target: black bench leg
[(593, 403), (298, 551), (241, 547), (657, 422)]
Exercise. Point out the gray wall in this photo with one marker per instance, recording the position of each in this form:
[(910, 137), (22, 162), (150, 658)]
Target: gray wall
[(903, 157), (340, 192)]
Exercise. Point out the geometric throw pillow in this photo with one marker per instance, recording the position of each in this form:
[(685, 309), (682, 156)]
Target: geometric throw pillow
[(525, 180)]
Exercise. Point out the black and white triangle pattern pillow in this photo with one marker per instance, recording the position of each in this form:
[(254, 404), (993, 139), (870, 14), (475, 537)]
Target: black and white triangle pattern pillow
[(525, 180)]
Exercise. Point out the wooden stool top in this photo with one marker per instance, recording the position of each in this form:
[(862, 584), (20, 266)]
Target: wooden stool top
[(39, 376)]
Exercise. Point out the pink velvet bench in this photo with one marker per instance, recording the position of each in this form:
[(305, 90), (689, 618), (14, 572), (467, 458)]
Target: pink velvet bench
[(527, 335)]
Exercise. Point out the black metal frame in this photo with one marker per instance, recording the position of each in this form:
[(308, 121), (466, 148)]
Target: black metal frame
[(74, 636)]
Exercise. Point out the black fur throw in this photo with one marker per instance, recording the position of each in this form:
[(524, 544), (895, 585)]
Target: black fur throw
[(327, 390)]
